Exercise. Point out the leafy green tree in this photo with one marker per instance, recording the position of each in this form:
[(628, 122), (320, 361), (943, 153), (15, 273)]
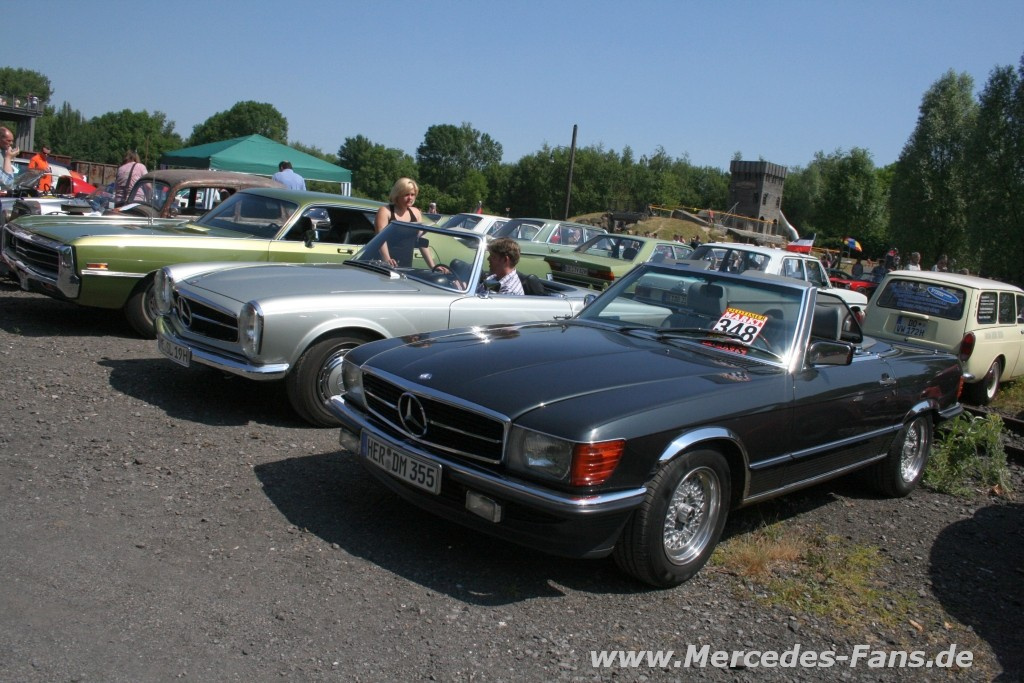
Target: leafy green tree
[(110, 135), (24, 82), (996, 157), (375, 168), (244, 118), (448, 153), (65, 130), (929, 195), (852, 202)]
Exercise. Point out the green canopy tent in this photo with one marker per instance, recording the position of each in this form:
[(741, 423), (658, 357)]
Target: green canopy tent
[(258, 155)]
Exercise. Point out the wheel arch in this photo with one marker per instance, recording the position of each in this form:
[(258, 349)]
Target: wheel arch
[(718, 439)]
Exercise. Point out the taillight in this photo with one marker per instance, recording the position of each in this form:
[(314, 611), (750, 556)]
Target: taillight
[(967, 346)]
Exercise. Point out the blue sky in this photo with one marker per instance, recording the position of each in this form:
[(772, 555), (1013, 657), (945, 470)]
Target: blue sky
[(778, 80)]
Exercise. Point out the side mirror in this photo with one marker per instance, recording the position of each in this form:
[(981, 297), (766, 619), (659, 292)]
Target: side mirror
[(829, 353)]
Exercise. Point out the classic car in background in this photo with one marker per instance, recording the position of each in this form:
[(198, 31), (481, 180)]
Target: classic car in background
[(23, 198), (482, 223), (268, 322), (980, 320), (603, 258), (633, 428), (843, 280), (186, 192), (539, 237), (110, 261), (737, 258)]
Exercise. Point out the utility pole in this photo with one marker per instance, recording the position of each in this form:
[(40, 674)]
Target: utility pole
[(572, 162)]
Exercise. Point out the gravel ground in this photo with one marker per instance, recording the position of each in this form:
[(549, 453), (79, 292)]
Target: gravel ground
[(160, 524)]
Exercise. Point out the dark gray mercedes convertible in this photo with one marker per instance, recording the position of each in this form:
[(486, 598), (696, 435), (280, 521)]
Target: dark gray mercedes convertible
[(634, 427)]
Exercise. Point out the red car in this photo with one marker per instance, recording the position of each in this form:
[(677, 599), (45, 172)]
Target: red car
[(863, 284)]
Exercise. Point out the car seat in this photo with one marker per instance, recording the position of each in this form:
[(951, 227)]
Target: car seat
[(704, 302), (532, 285), (825, 324)]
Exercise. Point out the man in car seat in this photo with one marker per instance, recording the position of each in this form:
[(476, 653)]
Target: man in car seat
[(502, 258)]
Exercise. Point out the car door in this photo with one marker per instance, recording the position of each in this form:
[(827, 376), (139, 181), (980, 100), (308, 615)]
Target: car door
[(475, 309), (337, 234), (842, 414)]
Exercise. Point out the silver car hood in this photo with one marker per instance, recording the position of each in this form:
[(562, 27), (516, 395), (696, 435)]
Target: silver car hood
[(264, 281)]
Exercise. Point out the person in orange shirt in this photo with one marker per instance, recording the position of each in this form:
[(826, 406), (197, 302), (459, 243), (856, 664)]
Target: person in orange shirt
[(41, 162)]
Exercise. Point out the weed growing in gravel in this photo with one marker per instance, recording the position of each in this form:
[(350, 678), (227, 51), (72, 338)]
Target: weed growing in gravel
[(1010, 399), (968, 454), (816, 573)]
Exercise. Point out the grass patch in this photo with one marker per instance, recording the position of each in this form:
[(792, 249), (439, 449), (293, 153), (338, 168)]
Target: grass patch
[(1010, 399), (968, 457), (817, 573)]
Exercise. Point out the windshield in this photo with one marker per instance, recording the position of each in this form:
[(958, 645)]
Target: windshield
[(451, 260), (740, 316), (520, 229), (622, 247), (250, 214)]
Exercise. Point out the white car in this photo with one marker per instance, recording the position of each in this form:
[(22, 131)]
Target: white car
[(980, 320), (736, 258)]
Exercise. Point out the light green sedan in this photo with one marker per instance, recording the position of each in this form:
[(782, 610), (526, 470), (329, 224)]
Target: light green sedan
[(110, 261), (599, 261)]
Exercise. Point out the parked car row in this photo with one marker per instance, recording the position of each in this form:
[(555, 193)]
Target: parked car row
[(624, 409)]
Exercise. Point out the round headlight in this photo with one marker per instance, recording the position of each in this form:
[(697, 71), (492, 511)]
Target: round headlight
[(163, 290)]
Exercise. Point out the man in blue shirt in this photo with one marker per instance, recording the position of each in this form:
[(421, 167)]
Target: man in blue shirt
[(289, 178)]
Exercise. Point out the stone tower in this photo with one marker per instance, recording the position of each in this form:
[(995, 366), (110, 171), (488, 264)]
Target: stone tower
[(755, 191)]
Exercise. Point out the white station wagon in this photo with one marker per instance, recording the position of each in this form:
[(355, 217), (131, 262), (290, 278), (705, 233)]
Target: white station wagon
[(979, 319)]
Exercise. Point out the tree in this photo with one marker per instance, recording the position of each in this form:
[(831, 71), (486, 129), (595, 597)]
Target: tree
[(244, 118), (375, 168), (448, 154), (24, 82), (851, 202), (929, 196), (996, 157), (65, 130), (110, 135)]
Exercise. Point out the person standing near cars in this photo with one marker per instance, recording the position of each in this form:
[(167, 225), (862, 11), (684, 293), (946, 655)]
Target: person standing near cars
[(9, 152), (400, 208), (41, 162), (130, 170), (289, 178)]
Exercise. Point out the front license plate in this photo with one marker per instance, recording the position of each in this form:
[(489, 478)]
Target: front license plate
[(182, 355), (402, 465), (575, 270), (910, 327)]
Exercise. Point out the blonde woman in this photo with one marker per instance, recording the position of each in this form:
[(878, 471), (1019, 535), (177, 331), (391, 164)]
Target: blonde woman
[(402, 197)]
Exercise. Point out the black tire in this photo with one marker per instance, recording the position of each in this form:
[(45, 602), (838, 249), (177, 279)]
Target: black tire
[(903, 468), (658, 545), (317, 376), (140, 309), (982, 392), (144, 210)]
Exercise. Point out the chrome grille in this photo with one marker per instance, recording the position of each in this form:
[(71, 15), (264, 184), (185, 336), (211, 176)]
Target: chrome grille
[(204, 320), (40, 257), (450, 428)]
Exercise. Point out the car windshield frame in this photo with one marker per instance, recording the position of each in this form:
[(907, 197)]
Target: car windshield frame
[(754, 317), (250, 213), (400, 248)]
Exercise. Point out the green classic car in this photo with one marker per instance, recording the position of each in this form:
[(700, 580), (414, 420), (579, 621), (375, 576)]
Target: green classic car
[(110, 261), (601, 260)]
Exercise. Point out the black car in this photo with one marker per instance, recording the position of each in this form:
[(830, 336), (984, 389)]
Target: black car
[(633, 428)]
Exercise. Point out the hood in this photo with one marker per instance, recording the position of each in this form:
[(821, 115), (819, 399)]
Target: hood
[(516, 368), (262, 281), (65, 229)]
